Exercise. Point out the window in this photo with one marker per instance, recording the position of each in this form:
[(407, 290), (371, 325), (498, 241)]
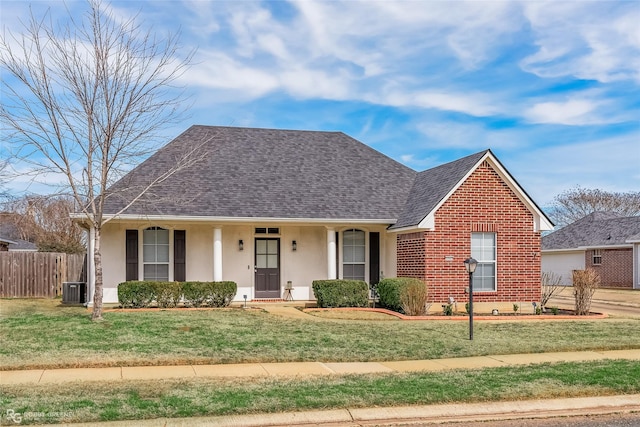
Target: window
[(597, 257), (353, 254), (483, 249), (270, 230), (156, 254)]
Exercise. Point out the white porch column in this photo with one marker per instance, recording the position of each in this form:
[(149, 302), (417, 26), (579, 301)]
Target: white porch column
[(91, 266), (331, 254), (217, 254)]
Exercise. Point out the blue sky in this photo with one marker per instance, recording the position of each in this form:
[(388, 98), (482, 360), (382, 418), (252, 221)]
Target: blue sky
[(553, 88)]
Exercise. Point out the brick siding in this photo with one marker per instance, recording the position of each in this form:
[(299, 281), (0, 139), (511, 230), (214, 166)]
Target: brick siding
[(483, 203), (616, 268)]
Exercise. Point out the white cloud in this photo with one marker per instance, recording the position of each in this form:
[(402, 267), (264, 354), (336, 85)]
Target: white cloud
[(572, 112), (589, 40)]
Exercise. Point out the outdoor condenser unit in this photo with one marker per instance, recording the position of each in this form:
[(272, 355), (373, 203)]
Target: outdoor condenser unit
[(73, 292)]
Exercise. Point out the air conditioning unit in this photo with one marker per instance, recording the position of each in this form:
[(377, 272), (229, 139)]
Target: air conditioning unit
[(73, 292)]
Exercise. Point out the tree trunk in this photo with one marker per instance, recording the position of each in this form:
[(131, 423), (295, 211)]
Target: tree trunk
[(97, 293)]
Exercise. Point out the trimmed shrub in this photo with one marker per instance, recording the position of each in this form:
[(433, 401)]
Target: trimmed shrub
[(168, 294), (220, 294), (136, 294), (391, 290), (341, 293), (413, 298), (195, 293)]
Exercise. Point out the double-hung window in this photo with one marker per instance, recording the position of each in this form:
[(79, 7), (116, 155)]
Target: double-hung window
[(483, 249), (353, 254), (156, 254), (597, 257)]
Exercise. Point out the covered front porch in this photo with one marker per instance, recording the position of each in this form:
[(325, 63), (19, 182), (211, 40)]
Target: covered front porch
[(265, 259)]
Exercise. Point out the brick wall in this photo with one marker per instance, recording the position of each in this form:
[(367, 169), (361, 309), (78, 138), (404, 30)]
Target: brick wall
[(616, 268), (483, 203)]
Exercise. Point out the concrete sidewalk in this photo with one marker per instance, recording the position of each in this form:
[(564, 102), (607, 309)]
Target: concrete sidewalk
[(294, 369)]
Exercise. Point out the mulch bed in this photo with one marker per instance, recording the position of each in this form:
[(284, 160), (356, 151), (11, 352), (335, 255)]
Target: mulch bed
[(562, 315)]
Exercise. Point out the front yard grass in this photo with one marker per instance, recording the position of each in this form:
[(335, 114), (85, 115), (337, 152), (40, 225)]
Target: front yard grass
[(38, 334), (119, 400)]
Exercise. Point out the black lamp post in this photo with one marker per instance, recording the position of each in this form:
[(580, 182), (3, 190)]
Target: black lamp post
[(470, 264)]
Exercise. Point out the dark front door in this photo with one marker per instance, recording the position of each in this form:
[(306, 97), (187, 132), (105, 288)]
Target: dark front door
[(267, 268)]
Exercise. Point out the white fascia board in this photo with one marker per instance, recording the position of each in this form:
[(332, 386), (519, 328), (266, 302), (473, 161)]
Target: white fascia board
[(553, 251), (235, 220), (584, 248), (540, 222)]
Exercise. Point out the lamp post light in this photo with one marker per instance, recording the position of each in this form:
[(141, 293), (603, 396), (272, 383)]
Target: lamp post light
[(470, 264)]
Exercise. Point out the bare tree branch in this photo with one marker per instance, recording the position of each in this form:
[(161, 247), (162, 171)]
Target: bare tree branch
[(87, 99), (579, 202)]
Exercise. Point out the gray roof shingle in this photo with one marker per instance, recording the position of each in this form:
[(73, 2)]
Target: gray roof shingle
[(596, 229), (431, 186), (267, 173)]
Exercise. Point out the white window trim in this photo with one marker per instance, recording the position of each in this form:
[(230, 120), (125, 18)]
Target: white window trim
[(366, 251), (494, 262), (597, 253), (141, 250)]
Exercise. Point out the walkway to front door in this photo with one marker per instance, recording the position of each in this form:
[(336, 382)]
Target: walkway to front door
[(267, 268)]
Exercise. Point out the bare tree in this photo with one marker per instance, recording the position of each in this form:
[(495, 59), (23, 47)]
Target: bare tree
[(85, 99), (551, 286), (579, 202), (47, 222)]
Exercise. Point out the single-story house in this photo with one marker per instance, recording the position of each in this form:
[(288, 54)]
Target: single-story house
[(604, 241), (4, 244), (9, 240), (267, 207)]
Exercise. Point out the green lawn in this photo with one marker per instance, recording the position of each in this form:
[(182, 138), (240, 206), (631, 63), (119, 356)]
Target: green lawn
[(38, 333), (103, 401)]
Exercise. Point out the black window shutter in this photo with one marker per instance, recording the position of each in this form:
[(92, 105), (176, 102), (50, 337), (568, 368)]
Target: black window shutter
[(179, 256), (374, 258), (131, 255)]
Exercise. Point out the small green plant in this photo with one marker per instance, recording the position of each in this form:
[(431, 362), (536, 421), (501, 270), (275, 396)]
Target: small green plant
[(447, 309), (554, 310), (538, 310), (516, 307), (466, 307)]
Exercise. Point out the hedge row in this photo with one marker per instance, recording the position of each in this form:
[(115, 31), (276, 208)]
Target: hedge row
[(341, 293), (391, 290), (138, 294)]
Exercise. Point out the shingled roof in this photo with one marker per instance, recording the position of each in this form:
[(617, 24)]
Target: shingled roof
[(598, 229), (267, 173), (286, 174), (432, 186)]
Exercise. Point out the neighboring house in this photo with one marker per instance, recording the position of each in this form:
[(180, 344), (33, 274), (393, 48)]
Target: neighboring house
[(10, 233), (4, 244), (604, 241), (267, 207)]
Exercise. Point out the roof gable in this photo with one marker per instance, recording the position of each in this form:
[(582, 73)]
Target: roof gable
[(433, 187), (598, 229), (267, 173)]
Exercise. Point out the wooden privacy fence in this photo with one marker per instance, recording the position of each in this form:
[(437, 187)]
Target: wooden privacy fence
[(38, 274)]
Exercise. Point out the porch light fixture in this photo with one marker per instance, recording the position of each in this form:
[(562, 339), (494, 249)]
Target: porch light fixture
[(470, 265), (240, 245), (294, 246)]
